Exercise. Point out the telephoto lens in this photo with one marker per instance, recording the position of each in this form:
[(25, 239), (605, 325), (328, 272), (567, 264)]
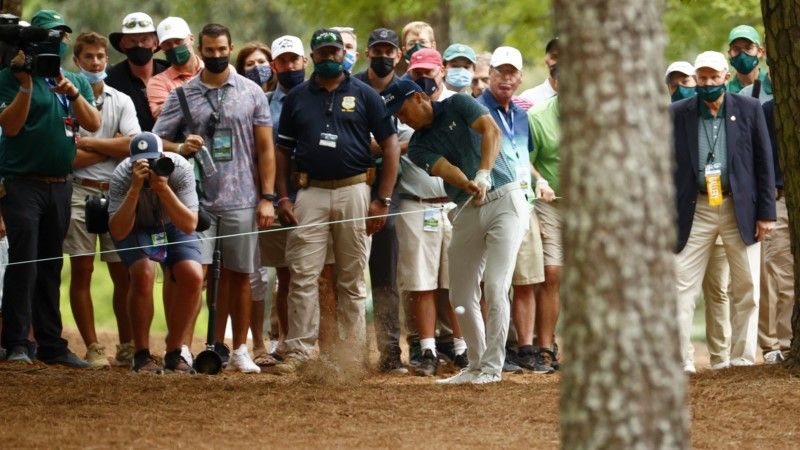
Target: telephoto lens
[(162, 167)]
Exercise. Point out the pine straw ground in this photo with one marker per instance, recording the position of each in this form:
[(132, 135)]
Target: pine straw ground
[(51, 407)]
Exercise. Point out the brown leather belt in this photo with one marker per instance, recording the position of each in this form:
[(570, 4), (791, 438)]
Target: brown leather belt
[(102, 185), (424, 200), (44, 179), (335, 184)]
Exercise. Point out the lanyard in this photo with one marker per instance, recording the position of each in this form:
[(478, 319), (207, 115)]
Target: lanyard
[(62, 98), (508, 129), (221, 93), (713, 145)]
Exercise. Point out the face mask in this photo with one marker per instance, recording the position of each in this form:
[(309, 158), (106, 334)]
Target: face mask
[(328, 68), (62, 49), (412, 50), (217, 64), (260, 74), (94, 77), (710, 93), (291, 78), (139, 56), (382, 65), (683, 92), (178, 56), (458, 77), (744, 63), (349, 60), (428, 85)]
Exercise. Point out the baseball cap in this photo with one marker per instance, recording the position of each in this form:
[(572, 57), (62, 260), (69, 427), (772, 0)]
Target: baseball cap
[(506, 55), (745, 32), (460, 51), (396, 94), (425, 58), (133, 23), (326, 37), (287, 44), (679, 66), (712, 60), (49, 19), (383, 36), (172, 28), (146, 145)]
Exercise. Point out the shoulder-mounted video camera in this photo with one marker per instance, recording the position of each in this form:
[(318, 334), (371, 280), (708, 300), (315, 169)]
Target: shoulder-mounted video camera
[(40, 46)]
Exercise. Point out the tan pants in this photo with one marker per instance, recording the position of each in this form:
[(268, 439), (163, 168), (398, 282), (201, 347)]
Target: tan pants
[(305, 254), (777, 285), (718, 309), (708, 223)]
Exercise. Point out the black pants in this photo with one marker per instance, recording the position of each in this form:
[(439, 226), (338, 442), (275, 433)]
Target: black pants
[(36, 216), (383, 276)]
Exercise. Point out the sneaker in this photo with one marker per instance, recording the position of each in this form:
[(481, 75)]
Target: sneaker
[(124, 356), (391, 364), (556, 364), (773, 357), (688, 367), (68, 359), (428, 365), (446, 351), (543, 360), (487, 378), (461, 361), (186, 354), (464, 377), (240, 361), (96, 356), (741, 362), (174, 362), (414, 351), (143, 362), (289, 365), (223, 351), (721, 365), (263, 359), (509, 366), (19, 354)]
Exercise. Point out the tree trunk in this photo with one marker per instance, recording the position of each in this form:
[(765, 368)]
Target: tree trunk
[(623, 385), (782, 25), (13, 7)]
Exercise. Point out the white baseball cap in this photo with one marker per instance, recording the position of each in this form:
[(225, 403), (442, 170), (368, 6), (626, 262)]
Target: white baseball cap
[(173, 28), (681, 67), (133, 23), (506, 55), (287, 44), (712, 60)]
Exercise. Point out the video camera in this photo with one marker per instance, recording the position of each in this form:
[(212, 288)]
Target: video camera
[(40, 46)]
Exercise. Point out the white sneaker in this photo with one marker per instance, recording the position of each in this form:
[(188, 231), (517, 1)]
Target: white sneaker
[(187, 355), (741, 362), (241, 361), (688, 367), (773, 357), (487, 378), (721, 365), (464, 377)]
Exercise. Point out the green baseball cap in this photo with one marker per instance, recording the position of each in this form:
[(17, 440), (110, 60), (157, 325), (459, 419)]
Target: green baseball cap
[(460, 51), (744, 32), (49, 19)]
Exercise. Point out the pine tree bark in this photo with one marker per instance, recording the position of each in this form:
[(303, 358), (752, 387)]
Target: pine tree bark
[(623, 385), (782, 25)]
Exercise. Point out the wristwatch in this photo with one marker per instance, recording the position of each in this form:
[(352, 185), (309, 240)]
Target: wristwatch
[(269, 197), (387, 201)]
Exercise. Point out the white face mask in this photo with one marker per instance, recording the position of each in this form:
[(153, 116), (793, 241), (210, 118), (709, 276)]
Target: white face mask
[(94, 77)]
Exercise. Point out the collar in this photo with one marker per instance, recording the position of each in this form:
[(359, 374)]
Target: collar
[(278, 95), (231, 81), (314, 86), (705, 113), (491, 102)]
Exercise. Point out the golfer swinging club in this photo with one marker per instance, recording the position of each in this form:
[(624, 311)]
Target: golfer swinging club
[(456, 139)]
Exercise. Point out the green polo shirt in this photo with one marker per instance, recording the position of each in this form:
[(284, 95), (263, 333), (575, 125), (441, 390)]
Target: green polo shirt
[(735, 85), (546, 131), (711, 137), (42, 146)]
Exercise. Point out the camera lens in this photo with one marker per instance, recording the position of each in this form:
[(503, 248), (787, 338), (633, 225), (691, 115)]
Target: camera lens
[(162, 166)]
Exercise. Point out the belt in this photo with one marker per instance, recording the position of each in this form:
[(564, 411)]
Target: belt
[(335, 184), (102, 185), (44, 179), (501, 191), (424, 200)]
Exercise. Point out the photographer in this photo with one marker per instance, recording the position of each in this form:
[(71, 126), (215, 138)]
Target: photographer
[(40, 118), (152, 202)]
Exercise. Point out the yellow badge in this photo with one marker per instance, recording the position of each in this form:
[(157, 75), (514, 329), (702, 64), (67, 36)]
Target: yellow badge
[(348, 103)]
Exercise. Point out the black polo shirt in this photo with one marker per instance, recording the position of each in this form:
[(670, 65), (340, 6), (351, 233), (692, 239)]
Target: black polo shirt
[(120, 78), (313, 118)]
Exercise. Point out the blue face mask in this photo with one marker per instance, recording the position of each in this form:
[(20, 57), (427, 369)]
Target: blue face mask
[(349, 60), (94, 77), (260, 74), (458, 77)]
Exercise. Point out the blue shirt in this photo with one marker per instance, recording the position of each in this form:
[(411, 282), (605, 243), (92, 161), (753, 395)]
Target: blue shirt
[(330, 131)]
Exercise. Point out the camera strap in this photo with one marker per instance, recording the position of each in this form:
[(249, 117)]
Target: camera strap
[(187, 113)]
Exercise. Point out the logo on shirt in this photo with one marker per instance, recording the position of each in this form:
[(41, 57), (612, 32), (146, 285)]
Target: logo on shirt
[(348, 103), (452, 126)]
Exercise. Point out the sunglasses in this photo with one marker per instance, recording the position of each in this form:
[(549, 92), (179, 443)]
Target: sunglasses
[(134, 23)]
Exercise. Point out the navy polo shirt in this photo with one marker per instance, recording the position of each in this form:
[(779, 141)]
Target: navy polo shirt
[(312, 116)]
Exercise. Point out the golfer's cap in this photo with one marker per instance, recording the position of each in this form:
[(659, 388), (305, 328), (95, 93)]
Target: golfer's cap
[(146, 145), (506, 55), (744, 32), (172, 28), (326, 37), (425, 58), (287, 44), (383, 36), (712, 60), (396, 94), (679, 66), (133, 23), (460, 51), (49, 19)]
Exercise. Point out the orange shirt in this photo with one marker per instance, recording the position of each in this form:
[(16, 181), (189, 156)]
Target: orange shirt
[(159, 87)]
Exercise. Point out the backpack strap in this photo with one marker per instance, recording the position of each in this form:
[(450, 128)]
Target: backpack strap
[(756, 88), (187, 114)]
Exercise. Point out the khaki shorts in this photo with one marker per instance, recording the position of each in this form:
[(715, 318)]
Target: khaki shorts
[(272, 246), (79, 241), (530, 262), (422, 255), (549, 216), (239, 251)]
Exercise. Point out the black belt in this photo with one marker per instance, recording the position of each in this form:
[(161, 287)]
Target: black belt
[(426, 200), (44, 179)]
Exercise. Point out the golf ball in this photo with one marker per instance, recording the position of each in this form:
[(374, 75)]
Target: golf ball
[(459, 310)]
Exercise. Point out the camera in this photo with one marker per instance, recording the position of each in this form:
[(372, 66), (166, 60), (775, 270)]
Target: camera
[(162, 167), (40, 46)]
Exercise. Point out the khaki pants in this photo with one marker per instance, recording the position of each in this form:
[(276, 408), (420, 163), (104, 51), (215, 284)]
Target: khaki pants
[(305, 255), (777, 285), (710, 222), (718, 309)]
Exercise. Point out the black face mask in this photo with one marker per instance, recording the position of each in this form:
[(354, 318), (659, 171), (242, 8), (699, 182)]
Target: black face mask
[(381, 65), (428, 85), (139, 56), (291, 78), (216, 65)]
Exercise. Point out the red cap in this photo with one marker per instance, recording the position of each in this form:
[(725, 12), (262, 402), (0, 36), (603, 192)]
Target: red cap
[(425, 58)]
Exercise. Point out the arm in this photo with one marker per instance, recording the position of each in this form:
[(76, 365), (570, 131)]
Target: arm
[(265, 153), (88, 116), (490, 140), (156, 95), (765, 177), (543, 189), (390, 150), (121, 221), (85, 158), (114, 147), (13, 118), (282, 174)]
